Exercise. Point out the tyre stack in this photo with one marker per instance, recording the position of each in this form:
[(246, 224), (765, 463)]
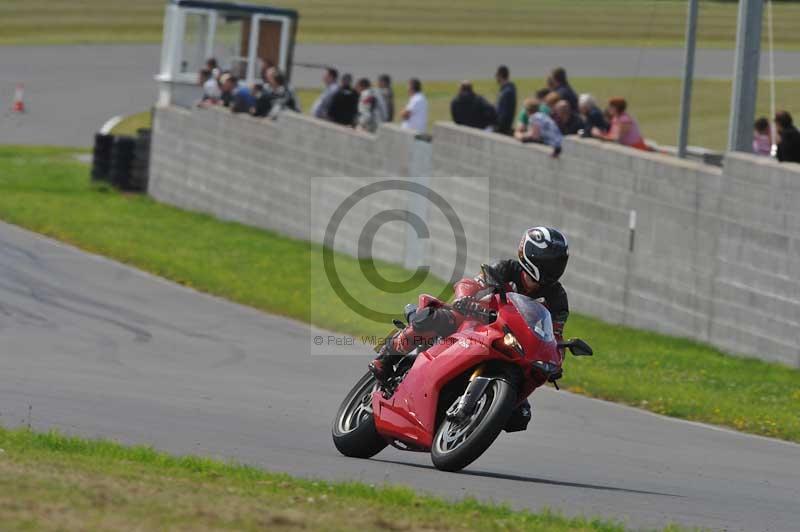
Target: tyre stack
[(101, 157), (141, 161), (122, 156)]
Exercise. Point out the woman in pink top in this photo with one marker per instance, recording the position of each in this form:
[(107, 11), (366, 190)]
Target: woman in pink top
[(624, 128)]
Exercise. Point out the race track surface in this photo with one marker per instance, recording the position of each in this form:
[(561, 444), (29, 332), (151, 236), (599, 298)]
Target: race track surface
[(72, 90), (95, 348)]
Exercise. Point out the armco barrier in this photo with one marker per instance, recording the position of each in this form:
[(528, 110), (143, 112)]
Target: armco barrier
[(715, 255)]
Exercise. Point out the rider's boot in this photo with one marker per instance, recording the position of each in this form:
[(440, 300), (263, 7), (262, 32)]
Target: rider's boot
[(383, 365), (519, 418)]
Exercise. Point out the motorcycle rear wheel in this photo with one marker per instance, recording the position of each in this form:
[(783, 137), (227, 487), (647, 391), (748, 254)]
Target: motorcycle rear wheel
[(353, 429), (458, 444)]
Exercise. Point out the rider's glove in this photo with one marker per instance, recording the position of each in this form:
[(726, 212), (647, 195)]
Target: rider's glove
[(465, 305)]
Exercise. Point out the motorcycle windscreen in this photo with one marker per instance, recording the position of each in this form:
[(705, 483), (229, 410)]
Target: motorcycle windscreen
[(536, 316)]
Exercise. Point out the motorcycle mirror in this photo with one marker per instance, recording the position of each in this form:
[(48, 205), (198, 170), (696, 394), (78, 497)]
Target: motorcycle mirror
[(577, 347), (410, 309)]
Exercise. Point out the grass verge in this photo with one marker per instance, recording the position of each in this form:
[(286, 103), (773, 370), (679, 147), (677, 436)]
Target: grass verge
[(54, 482), (535, 22), (46, 190), (130, 124)]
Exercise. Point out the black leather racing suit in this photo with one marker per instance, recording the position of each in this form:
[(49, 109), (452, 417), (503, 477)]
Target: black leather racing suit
[(553, 296)]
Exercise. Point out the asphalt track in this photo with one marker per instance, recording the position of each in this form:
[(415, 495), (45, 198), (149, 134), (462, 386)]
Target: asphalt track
[(96, 348), (72, 90)]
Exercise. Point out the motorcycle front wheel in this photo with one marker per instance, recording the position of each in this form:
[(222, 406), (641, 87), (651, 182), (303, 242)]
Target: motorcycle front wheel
[(353, 430), (458, 444)]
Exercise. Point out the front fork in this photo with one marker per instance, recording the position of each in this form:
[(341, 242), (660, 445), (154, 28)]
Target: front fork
[(465, 406)]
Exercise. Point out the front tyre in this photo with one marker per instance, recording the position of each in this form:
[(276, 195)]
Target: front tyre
[(354, 431), (458, 444)]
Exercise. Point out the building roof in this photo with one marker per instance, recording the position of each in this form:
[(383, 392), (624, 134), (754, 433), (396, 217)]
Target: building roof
[(236, 8)]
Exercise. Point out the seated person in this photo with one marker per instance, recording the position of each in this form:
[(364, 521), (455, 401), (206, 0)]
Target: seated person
[(624, 128), (762, 139), (592, 115), (541, 129), (568, 122)]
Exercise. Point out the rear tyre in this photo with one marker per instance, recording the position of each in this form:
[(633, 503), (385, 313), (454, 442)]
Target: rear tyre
[(456, 445), (354, 431)]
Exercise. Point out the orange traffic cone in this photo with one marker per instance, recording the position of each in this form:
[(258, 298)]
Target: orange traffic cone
[(19, 99)]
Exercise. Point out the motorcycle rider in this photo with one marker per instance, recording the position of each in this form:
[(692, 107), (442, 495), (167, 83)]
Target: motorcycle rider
[(543, 254), (542, 258)]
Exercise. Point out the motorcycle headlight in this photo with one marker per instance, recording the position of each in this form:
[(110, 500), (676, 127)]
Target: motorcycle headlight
[(510, 341)]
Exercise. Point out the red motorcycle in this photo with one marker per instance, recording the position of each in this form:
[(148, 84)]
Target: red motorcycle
[(453, 399)]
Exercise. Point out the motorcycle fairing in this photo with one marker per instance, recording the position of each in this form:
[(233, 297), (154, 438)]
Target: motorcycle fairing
[(409, 415)]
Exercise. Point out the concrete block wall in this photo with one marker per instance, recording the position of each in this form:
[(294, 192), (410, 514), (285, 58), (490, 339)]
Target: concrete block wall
[(715, 256), (271, 174), (757, 281)]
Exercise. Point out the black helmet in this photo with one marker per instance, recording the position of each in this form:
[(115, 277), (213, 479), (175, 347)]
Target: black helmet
[(543, 253)]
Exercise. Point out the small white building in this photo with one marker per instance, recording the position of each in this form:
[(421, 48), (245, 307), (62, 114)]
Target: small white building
[(242, 38)]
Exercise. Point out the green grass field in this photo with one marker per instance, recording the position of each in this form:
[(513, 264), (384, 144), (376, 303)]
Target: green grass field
[(531, 22), (46, 190), (53, 482)]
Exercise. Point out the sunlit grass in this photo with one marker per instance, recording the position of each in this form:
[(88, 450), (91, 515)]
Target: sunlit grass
[(49, 481), (533, 22)]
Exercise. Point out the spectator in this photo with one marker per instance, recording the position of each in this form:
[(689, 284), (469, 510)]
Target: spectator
[(227, 83), (762, 137), (788, 138), (541, 128), (592, 115), (506, 101), (550, 102), (387, 96), (276, 95), (607, 116), (211, 65), (541, 94), (323, 102), (344, 104), (624, 128), (265, 68), (563, 88), (234, 95), (415, 114), (369, 113), (522, 121), (210, 85), (470, 109), (568, 122)]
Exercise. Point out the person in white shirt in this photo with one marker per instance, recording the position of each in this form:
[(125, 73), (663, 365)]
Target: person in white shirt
[(415, 114), (323, 103)]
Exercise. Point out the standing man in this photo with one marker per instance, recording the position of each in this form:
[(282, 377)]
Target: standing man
[(387, 96), (788, 138), (506, 101), (323, 103), (344, 104), (563, 88), (471, 109), (415, 114), (369, 113)]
